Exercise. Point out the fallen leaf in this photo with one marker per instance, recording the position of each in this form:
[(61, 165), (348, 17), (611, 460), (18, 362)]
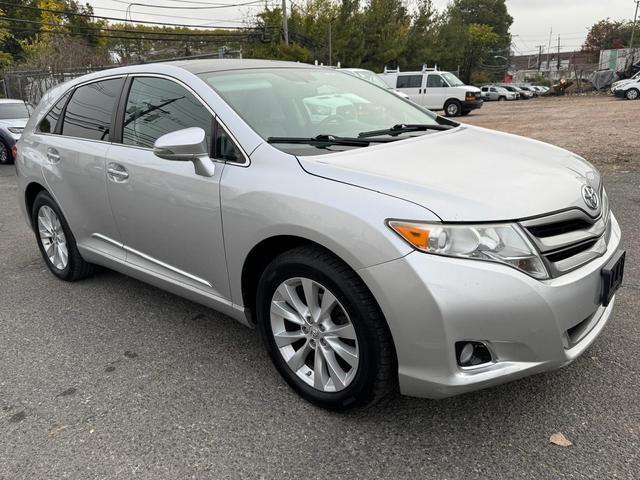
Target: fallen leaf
[(559, 439)]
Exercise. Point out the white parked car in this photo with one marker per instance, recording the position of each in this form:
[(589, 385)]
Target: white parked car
[(629, 88), (435, 90)]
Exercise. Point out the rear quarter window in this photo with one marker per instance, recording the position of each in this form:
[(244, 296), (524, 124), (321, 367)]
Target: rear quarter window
[(49, 122)]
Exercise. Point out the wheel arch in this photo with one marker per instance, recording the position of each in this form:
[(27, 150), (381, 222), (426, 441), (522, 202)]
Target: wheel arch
[(30, 194)]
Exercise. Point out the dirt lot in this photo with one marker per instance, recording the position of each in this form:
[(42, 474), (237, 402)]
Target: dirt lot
[(576, 126)]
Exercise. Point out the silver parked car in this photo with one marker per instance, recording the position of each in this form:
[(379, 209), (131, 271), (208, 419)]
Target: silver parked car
[(493, 93), (13, 117), (372, 243)]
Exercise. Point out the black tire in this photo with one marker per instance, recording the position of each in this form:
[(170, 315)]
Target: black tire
[(632, 94), (76, 268), (502, 99), (452, 108), (376, 375), (6, 157)]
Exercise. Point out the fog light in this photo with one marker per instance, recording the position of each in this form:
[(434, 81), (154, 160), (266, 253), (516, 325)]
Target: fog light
[(472, 354)]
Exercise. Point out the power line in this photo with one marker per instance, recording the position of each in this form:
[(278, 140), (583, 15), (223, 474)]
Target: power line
[(118, 30), (173, 7), (100, 17), (229, 36)]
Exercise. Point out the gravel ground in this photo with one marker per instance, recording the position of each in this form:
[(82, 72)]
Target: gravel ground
[(601, 128), (112, 378)]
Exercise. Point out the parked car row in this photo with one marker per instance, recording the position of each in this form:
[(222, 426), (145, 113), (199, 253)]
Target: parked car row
[(505, 91)]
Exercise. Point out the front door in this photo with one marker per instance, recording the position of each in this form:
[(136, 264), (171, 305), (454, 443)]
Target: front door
[(169, 216)]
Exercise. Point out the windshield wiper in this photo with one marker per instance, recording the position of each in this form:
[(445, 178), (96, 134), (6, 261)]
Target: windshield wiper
[(404, 128), (323, 141)]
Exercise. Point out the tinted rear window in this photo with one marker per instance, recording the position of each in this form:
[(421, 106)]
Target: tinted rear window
[(88, 114), (409, 81)]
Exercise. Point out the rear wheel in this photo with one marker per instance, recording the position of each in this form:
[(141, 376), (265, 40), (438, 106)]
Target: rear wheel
[(5, 154), (502, 99), (452, 108), (632, 94), (56, 242), (324, 331)]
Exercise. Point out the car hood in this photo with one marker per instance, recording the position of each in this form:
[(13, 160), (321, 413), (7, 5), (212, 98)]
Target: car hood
[(14, 122), (466, 174)]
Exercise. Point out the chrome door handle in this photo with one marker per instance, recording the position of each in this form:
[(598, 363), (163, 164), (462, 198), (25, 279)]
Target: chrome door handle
[(117, 172), (53, 155)]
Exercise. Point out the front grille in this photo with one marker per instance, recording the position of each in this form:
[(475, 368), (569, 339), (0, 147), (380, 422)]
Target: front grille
[(558, 228), (569, 239)]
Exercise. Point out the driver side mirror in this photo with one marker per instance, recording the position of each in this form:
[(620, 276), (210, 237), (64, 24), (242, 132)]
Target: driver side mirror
[(186, 145)]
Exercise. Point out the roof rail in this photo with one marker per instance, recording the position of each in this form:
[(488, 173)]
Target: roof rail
[(391, 70), (425, 68)]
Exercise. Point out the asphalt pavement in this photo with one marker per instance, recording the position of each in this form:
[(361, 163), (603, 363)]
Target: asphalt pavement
[(112, 378)]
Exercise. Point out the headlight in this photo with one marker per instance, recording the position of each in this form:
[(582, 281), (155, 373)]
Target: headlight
[(16, 130), (501, 243)]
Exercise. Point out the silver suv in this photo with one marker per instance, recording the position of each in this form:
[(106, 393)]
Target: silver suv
[(372, 243)]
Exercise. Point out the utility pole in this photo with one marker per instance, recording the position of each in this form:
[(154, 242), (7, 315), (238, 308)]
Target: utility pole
[(540, 47), (635, 21), (285, 28), (330, 48), (549, 52), (559, 53)]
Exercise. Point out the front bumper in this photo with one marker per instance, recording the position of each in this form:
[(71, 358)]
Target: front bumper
[(471, 105), (525, 322), (619, 93)]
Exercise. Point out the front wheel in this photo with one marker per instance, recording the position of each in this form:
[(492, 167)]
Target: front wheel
[(452, 108), (632, 94), (324, 330)]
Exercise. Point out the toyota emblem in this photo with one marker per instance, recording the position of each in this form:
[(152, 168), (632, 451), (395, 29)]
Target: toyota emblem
[(590, 197)]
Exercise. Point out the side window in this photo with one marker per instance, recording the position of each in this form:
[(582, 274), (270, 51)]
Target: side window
[(156, 106), (88, 113), (485, 89), (435, 81), (224, 148), (49, 122), (409, 81)]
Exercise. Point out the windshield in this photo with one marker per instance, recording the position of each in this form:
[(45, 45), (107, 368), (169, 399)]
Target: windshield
[(451, 79), (13, 110), (306, 103)]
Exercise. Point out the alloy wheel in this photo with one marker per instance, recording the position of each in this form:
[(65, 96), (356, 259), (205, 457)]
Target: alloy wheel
[(4, 154), (633, 94), (314, 334), (52, 237)]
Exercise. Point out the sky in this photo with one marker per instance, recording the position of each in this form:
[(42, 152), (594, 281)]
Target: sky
[(533, 19)]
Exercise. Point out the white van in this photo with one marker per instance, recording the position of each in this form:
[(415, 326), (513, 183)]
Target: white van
[(435, 90)]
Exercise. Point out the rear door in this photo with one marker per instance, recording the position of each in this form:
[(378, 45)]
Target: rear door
[(169, 216), (435, 92), (412, 85), (73, 140)]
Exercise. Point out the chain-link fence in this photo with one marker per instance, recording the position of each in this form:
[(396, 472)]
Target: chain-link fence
[(31, 85)]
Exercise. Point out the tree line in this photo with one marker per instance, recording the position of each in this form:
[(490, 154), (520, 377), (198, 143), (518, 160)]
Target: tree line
[(469, 36)]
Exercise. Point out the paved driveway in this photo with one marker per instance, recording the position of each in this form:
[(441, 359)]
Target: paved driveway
[(112, 378)]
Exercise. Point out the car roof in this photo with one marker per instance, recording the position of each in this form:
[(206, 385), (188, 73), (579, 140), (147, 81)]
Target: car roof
[(226, 64), (10, 100)]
